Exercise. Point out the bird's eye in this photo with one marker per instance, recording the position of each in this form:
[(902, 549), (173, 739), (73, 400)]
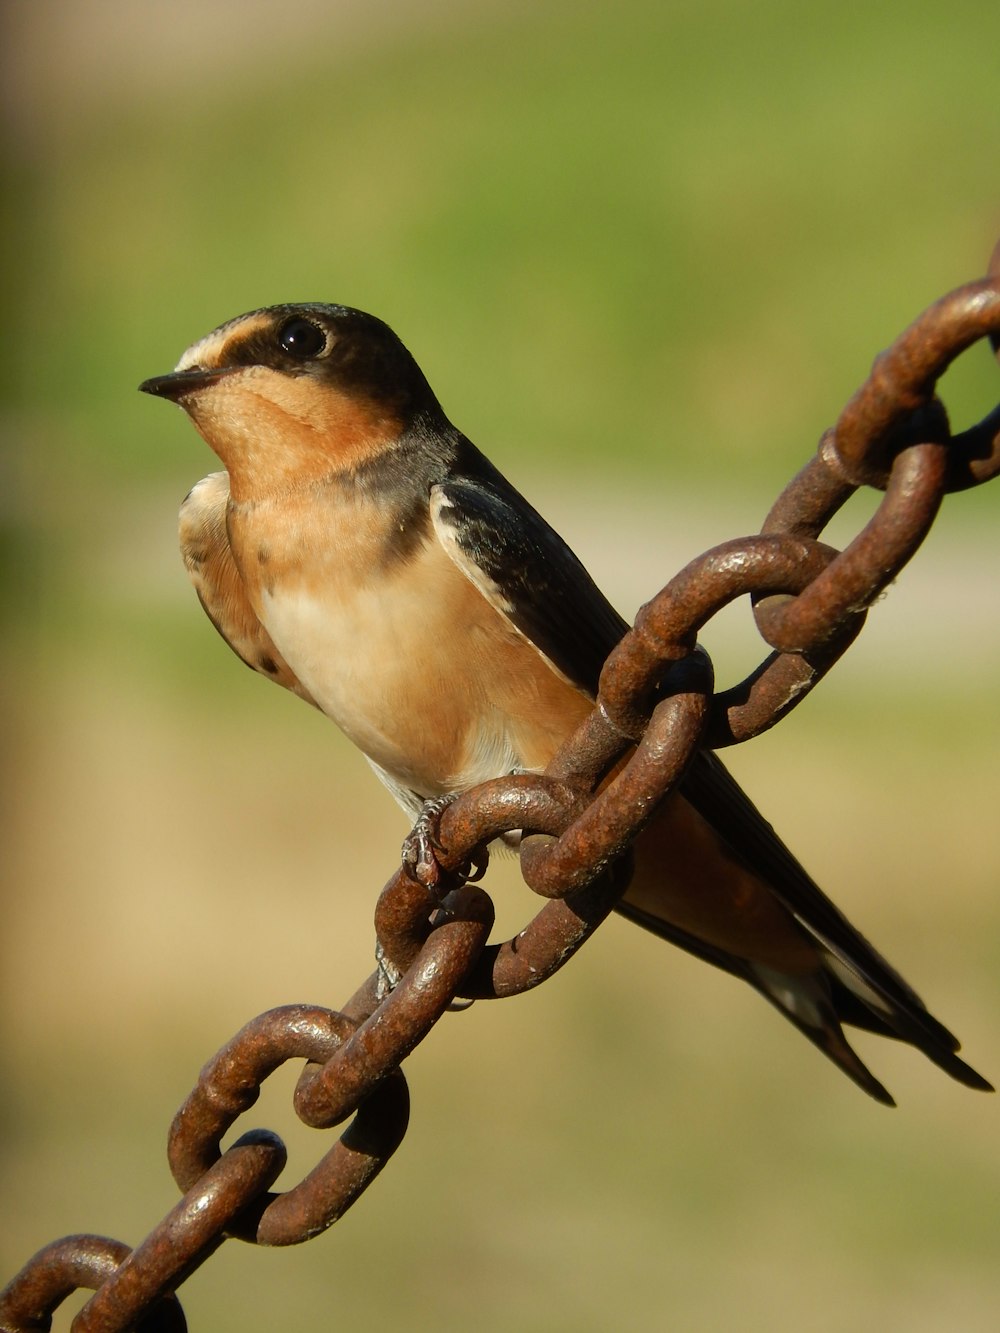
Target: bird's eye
[(302, 339)]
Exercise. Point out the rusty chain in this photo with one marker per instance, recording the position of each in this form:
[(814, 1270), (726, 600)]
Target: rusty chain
[(655, 708)]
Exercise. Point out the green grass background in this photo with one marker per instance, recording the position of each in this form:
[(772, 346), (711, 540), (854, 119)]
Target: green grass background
[(644, 253)]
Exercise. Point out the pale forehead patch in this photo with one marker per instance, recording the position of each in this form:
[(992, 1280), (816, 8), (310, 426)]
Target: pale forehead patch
[(210, 351)]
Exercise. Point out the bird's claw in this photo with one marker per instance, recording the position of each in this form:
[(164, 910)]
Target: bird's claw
[(421, 845), (475, 868)]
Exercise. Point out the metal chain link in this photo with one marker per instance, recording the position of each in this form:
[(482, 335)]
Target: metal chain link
[(655, 708)]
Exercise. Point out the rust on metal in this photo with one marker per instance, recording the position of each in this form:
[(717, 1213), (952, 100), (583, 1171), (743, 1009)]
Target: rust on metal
[(76, 1263), (657, 705)]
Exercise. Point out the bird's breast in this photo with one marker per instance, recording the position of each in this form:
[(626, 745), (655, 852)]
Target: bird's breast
[(407, 657), (369, 656)]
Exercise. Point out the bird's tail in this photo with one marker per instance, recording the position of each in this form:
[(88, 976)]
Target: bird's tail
[(820, 1002)]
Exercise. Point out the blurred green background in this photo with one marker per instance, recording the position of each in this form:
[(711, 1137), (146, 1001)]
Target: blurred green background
[(644, 253)]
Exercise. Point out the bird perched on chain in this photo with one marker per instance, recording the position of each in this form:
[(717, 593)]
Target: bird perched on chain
[(361, 552)]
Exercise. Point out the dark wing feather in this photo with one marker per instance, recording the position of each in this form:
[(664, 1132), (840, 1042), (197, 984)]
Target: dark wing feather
[(714, 793), (717, 797), (836, 1004), (527, 572)]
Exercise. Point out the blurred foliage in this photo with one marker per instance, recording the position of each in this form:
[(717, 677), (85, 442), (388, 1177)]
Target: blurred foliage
[(644, 253), (672, 223)]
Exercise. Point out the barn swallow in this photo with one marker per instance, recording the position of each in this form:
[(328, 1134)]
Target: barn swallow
[(360, 551)]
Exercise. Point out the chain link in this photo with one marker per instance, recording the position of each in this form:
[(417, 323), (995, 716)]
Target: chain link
[(655, 708)]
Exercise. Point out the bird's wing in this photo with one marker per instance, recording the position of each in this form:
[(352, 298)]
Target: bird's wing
[(527, 573), (855, 964), (208, 559)]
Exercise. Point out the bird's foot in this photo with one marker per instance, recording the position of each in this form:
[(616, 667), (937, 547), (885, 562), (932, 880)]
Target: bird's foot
[(421, 846)]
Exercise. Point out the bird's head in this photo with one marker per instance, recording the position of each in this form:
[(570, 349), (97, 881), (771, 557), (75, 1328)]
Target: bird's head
[(291, 393)]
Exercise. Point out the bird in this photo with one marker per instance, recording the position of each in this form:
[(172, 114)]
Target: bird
[(361, 552)]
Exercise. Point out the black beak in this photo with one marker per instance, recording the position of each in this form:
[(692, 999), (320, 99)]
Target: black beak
[(179, 383)]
